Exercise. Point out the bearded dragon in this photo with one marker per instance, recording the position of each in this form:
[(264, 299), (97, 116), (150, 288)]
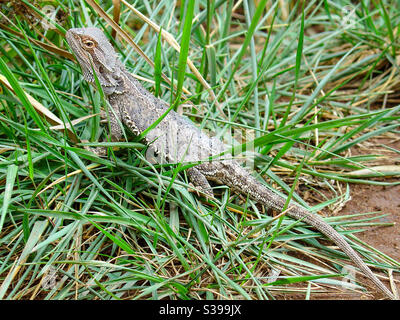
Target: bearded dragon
[(177, 139)]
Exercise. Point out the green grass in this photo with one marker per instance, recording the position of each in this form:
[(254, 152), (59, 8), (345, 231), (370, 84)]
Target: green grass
[(298, 83)]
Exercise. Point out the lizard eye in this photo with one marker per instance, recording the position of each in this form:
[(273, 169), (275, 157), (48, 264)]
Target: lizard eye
[(89, 44)]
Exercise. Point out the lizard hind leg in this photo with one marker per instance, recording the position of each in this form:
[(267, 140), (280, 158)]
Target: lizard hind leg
[(200, 182)]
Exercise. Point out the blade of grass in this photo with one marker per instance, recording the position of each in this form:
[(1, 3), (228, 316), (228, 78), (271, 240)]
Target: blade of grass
[(158, 66), (184, 51), (299, 54), (10, 180), (38, 229)]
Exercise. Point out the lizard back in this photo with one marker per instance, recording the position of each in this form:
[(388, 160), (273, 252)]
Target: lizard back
[(175, 138)]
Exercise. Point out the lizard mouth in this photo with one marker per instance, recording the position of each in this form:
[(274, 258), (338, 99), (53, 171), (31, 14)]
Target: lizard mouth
[(71, 37)]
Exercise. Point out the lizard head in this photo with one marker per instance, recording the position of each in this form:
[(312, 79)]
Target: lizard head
[(95, 53)]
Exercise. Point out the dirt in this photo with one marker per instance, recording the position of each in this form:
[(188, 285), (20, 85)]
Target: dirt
[(385, 199), (367, 198), (373, 198)]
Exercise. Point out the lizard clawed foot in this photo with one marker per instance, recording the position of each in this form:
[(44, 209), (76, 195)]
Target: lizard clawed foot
[(99, 151), (208, 193)]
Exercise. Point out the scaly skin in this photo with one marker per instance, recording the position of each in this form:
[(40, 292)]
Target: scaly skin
[(176, 139)]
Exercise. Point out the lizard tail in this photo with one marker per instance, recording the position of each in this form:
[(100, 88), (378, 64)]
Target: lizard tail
[(247, 184), (315, 221)]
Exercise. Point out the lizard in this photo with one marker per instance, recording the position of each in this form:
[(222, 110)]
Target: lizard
[(176, 138)]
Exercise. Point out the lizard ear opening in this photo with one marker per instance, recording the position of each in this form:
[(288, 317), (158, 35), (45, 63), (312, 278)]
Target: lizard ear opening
[(106, 60)]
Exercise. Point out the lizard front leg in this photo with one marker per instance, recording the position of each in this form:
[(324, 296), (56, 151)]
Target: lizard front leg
[(115, 131)]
